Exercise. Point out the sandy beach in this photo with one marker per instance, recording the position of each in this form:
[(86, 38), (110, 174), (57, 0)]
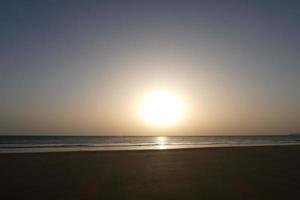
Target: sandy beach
[(212, 173)]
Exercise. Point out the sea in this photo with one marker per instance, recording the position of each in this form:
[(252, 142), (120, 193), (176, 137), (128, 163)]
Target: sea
[(28, 144)]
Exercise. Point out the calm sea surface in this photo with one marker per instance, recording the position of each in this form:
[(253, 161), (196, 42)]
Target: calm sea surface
[(14, 144)]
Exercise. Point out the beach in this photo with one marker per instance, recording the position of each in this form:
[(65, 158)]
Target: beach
[(269, 172)]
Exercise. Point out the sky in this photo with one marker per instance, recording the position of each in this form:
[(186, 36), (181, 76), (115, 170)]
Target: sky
[(82, 67)]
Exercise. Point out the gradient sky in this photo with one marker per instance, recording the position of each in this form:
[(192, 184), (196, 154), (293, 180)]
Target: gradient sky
[(81, 67)]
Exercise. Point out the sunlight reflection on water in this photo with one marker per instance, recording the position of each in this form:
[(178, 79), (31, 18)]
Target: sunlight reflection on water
[(162, 142)]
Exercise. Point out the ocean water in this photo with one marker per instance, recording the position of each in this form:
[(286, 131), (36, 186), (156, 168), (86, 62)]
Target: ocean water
[(17, 144)]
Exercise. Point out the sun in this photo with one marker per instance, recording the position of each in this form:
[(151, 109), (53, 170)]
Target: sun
[(162, 109)]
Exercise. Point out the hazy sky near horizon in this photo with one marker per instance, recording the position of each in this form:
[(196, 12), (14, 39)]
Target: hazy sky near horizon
[(82, 66)]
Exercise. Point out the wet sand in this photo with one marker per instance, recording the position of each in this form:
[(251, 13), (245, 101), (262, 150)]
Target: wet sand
[(211, 173)]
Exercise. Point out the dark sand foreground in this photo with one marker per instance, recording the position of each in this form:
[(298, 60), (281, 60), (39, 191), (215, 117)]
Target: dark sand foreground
[(216, 173)]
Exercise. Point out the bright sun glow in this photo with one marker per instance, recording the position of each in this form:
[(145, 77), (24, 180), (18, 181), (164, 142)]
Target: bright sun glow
[(162, 109)]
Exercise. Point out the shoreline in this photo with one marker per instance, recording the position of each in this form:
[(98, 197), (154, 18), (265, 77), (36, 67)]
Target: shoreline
[(117, 149)]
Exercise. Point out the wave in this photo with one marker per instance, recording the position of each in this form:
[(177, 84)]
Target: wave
[(20, 146), (16, 146), (47, 144)]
